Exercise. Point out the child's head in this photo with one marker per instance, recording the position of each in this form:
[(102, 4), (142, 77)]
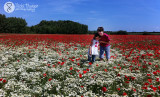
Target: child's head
[(96, 36), (100, 31)]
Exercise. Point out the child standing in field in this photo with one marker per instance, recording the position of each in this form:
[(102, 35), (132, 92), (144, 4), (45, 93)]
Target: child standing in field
[(93, 48), (104, 44)]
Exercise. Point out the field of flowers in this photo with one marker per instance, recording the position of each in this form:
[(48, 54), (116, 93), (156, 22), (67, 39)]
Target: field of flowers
[(56, 65)]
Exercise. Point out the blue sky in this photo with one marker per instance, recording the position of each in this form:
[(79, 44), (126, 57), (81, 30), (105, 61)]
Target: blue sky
[(113, 15)]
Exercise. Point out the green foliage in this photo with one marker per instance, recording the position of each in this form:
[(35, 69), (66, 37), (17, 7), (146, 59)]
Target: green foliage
[(19, 25), (60, 27), (147, 33), (12, 25), (121, 32), (2, 23)]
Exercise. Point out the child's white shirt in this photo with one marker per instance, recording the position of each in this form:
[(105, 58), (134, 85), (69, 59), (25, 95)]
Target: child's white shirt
[(94, 46)]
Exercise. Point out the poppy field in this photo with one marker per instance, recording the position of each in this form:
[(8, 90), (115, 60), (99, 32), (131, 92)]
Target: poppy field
[(56, 65)]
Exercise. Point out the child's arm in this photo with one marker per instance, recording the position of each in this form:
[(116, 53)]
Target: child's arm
[(107, 41), (104, 42), (90, 48)]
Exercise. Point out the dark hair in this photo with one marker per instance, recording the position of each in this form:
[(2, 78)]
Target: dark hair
[(99, 29), (96, 35)]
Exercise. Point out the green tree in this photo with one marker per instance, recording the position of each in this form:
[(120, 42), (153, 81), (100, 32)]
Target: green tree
[(16, 25), (121, 32), (3, 27)]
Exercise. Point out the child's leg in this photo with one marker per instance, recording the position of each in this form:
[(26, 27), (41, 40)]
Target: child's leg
[(107, 51), (93, 58), (89, 58), (101, 56)]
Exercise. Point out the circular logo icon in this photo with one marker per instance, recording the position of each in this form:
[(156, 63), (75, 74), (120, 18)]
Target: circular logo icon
[(9, 7)]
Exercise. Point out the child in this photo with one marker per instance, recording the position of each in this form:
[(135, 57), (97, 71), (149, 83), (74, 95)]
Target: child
[(93, 48), (104, 44)]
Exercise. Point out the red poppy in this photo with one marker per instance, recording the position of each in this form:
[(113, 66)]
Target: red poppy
[(150, 80), (157, 79), (159, 88), (72, 60), (148, 74), (149, 95), (105, 70), (77, 59), (158, 71), (150, 63), (155, 73), (118, 75), (156, 66), (1, 79), (118, 89), (154, 89), (144, 88), (134, 90), (4, 81), (126, 81), (87, 69), (133, 78), (90, 63), (151, 86), (82, 86), (62, 63), (75, 48), (80, 75), (139, 65), (124, 94), (73, 57), (84, 72), (104, 89), (93, 75), (126, 76), (49, 79), (146, 84), (71, 68), (144, 66), (44, 74)]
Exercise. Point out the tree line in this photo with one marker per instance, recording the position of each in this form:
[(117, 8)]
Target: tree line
[(123, 32), (19, 25), (12, 24)]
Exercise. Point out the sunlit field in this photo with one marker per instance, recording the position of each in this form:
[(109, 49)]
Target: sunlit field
[(56, 65)]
